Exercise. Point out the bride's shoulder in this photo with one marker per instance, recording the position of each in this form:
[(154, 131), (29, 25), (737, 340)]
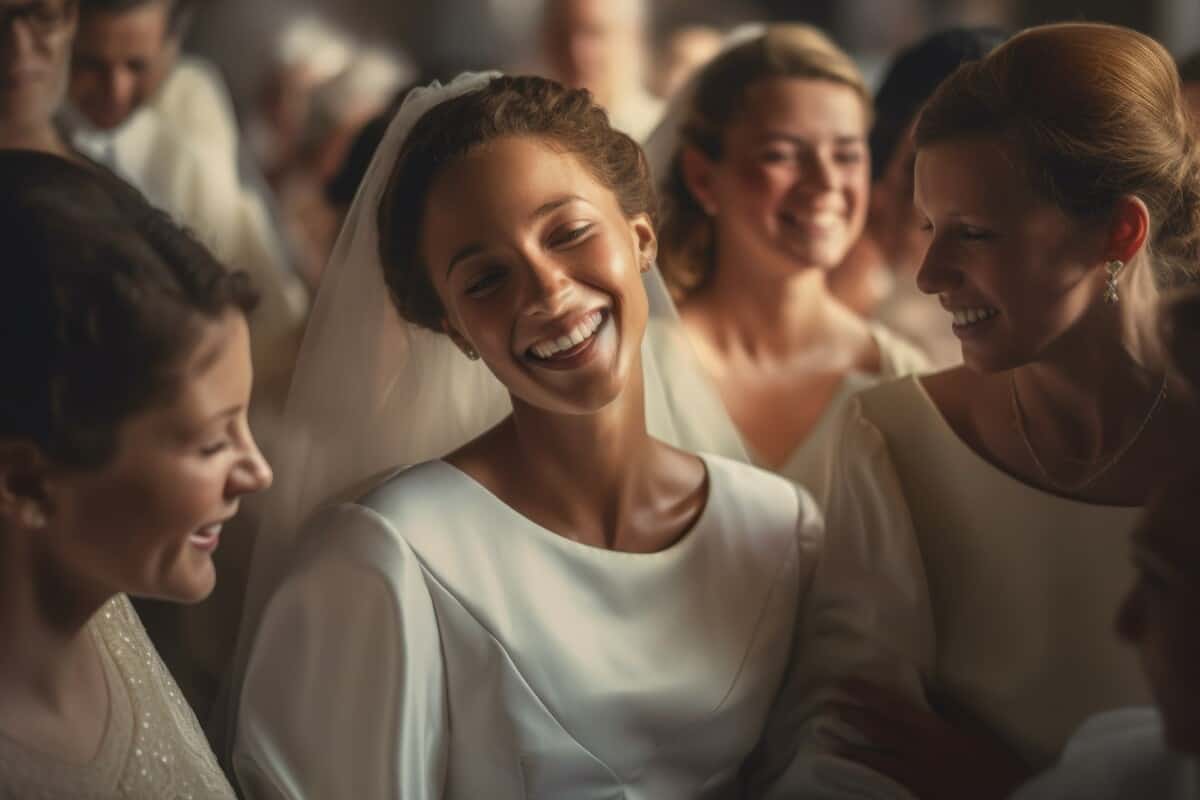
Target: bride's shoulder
[(759, 499), (393, 505)]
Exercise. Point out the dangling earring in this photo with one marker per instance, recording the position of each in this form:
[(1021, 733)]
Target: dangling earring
[(1114, 268)]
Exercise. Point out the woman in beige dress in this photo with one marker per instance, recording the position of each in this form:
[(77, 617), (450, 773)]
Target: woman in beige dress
[(123, 450), (1058, 181)]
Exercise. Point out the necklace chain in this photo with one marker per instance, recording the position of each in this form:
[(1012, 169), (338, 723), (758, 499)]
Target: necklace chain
[(1105, 466)]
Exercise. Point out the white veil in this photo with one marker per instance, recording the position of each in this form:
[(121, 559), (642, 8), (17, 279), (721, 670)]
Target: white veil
[(372, 391)]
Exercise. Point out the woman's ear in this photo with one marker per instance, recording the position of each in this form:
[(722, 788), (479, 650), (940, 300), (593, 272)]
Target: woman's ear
[(698, 172), (24, 477), (647, 240), (1128, 228)]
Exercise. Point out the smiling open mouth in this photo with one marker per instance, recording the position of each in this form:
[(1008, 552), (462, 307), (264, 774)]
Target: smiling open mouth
[(572, 343), (207, 537), (966, 317)]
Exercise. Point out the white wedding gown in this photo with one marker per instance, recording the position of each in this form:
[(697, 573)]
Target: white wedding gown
[(428, 641)]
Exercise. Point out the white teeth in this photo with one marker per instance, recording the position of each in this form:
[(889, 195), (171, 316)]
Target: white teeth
[(577, 335), (971, 316)]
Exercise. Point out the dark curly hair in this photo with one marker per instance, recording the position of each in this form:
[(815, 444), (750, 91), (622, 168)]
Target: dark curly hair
[(566, 119), (104, 297)]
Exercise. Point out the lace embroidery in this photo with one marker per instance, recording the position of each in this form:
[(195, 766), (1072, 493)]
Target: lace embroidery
[(159, 752)]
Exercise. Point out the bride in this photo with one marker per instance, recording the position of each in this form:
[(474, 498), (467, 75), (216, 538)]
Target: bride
[(552, 602)]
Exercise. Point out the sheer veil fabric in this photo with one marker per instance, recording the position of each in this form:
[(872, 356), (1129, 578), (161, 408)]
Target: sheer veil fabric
[(371, 391)]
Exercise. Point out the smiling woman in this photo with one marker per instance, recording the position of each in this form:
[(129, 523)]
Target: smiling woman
[(1057, 178), (554, 603), (765, 192), (123, 451)]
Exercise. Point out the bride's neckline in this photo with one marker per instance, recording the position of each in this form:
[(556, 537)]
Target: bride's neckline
[(677, 548)]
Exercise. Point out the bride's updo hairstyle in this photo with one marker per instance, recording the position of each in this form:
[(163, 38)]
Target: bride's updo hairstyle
[(686, 247), (1092, 112), (103, 299), (566, 120)]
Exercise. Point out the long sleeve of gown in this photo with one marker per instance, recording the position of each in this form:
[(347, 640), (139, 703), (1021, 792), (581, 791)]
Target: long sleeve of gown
[(344, 693), (866, 615)]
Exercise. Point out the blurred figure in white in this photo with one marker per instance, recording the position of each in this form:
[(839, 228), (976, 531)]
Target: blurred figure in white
[(337, 110), (685, 50), (35, 47), (600, 45), (307, 53), (166, 124)]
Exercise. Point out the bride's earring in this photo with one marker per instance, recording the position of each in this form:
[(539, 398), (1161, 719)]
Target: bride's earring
[(1114, 268), (471, 353)]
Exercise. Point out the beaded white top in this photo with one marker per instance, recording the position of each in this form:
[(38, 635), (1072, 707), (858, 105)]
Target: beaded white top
[(152, 746)]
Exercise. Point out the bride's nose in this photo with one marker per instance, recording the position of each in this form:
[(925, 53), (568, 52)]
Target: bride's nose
[(548, 287)]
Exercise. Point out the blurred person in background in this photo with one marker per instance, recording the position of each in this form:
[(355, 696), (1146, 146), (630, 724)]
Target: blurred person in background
[(600, 45), (166, 124), (35, 45), (878, 277), (684, 51), (764, 192), (307, 52), (337, 111)]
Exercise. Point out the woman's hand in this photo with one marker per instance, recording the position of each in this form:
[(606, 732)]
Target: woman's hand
[(932, 757)]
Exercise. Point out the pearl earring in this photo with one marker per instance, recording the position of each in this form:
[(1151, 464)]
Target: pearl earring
[(471, 353), (1114, 268)]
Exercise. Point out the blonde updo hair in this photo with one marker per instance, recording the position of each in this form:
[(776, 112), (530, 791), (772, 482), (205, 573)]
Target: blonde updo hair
[(1094, 112), (686, 238)]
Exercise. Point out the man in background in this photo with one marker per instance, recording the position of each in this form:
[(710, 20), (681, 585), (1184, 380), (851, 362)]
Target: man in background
[(600, 45)]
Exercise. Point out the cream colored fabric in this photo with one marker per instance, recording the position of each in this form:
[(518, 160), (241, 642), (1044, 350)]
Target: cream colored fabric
[(152, 746), (430, 642), (1117, 756), (637, 113), (1023, 586), (810, 463)]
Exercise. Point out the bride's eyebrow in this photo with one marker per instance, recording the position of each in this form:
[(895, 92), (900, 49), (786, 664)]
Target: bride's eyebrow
[(554, 205)]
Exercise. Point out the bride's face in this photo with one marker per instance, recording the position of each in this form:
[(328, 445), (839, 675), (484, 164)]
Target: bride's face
[(538, 270)]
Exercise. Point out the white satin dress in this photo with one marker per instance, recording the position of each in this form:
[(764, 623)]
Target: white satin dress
[(428, 641)]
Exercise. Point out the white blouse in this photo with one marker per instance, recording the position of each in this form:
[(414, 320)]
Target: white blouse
[(1022, 586), (152, 746), (431, 642)]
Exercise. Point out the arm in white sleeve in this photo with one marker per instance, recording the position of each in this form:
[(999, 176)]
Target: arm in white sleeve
[(866, 615), (344, 693)]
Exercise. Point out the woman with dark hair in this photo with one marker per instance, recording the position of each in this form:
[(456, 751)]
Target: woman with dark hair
[(1060, 185), (123, 450), (555, 601)]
